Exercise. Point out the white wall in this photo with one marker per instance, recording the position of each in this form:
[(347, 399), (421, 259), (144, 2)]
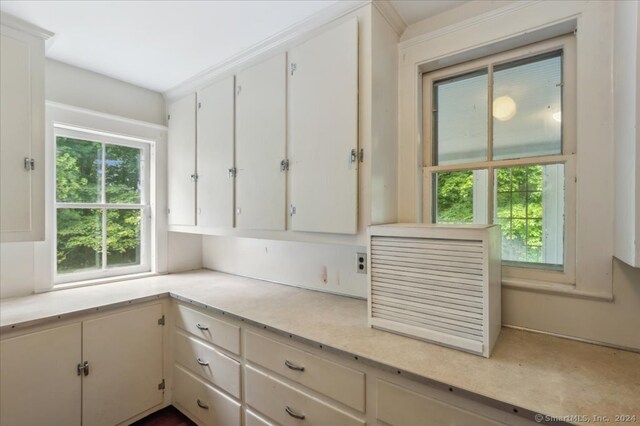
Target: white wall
[(21, 264), (482, 25)]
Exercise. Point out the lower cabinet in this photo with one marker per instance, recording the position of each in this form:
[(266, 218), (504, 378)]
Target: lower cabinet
[(100, 371)]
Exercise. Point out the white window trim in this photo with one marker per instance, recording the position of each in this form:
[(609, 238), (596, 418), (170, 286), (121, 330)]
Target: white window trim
[(100, 123), (512, 273), (511, 26), (105, 138)]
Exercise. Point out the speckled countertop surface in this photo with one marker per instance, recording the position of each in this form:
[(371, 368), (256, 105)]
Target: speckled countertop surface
[(541, 373)]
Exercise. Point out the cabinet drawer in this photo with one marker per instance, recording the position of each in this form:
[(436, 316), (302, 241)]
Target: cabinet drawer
[(400, 406), (220, 333), (207, 363), (203, 401), (274, 398), (334, 380), (253, 419)]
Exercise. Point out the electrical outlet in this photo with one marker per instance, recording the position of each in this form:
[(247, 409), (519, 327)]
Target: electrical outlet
[(361, 263)]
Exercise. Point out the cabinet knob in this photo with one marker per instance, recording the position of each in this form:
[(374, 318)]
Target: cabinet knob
[(292, 413)]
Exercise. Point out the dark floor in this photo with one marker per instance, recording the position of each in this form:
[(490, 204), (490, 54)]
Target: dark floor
[(168, 416)]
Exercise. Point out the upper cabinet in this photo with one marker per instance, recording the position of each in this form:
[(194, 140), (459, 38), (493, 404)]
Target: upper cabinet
[(21, 131), (182, 161), (323, 131), (215, 171), (261, 145)]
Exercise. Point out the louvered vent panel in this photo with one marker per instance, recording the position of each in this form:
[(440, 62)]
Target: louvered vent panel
[(434, 284), (433, 287)]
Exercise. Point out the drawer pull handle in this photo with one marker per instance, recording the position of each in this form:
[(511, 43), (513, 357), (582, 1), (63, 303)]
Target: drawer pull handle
[(202, 327), (292, 366), (202, 405), (293, 413), (201, 362)]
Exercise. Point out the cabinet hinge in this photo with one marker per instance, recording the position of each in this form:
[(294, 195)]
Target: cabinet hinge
[(199, 105), (168, 211), (293, 66), (233, 172), (161, 385), (161, 321), (168, 117), (29, 163), (292, 210), (238, 90), (357, 156), (284, 165)]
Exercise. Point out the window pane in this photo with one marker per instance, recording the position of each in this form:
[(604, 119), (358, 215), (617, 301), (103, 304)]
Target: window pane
[(461, 197), (79, 245), (529, 207), (460, 119), (123, 174), (527, 108), (123, 237), (78, 170)]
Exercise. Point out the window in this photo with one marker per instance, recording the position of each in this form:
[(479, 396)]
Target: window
[(102, 209), (500, 149)]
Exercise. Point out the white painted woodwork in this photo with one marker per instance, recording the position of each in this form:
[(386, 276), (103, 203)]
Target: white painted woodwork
[(271, 397), (220, 333), (399, 406), (334, 380), (253, 419), (203, 401), (323, 130), (22, 208), (215, 134), (438, 283), (181, 158), (208, 363), (124, 352), (39, 384), (261, 131)]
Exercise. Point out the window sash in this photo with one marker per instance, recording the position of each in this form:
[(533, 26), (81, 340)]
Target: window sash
[(511, 272), (61, 130)]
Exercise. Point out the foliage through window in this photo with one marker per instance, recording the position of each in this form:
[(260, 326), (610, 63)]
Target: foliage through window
[(101, 205), (497, 152)]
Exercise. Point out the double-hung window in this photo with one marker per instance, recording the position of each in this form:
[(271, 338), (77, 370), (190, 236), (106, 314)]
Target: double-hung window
[(102, 209), (500, 148)]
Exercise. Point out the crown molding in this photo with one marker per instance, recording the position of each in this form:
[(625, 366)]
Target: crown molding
[(279, 40), (24, 26), (389, 12), (487, 16)]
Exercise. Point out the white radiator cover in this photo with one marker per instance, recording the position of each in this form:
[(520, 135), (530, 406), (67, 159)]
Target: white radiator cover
[(439, 283)]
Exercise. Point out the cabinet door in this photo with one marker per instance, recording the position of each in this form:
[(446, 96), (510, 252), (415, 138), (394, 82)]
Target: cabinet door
[(124, 352), (39, 383), (182, 161), (21, 137), (323, 117), (260, 145), (215, 154)]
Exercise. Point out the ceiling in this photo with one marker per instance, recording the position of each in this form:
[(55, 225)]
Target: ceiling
[(159, 44), (413, 11)]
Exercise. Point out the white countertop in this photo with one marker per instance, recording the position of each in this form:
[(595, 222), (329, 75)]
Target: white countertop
[(541, 373)]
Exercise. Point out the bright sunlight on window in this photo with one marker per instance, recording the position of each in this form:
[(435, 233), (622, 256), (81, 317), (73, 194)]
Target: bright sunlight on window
[(496, 153), (101, 206)]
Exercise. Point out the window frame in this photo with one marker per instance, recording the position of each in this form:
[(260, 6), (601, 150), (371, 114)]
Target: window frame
[(512, 273), (145, 205)]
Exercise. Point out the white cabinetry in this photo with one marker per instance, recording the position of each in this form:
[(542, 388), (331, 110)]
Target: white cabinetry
[(215, 157), (38, 380), (21, 131), (101, 371), (323, 129), (260, 145), (182, 161)]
